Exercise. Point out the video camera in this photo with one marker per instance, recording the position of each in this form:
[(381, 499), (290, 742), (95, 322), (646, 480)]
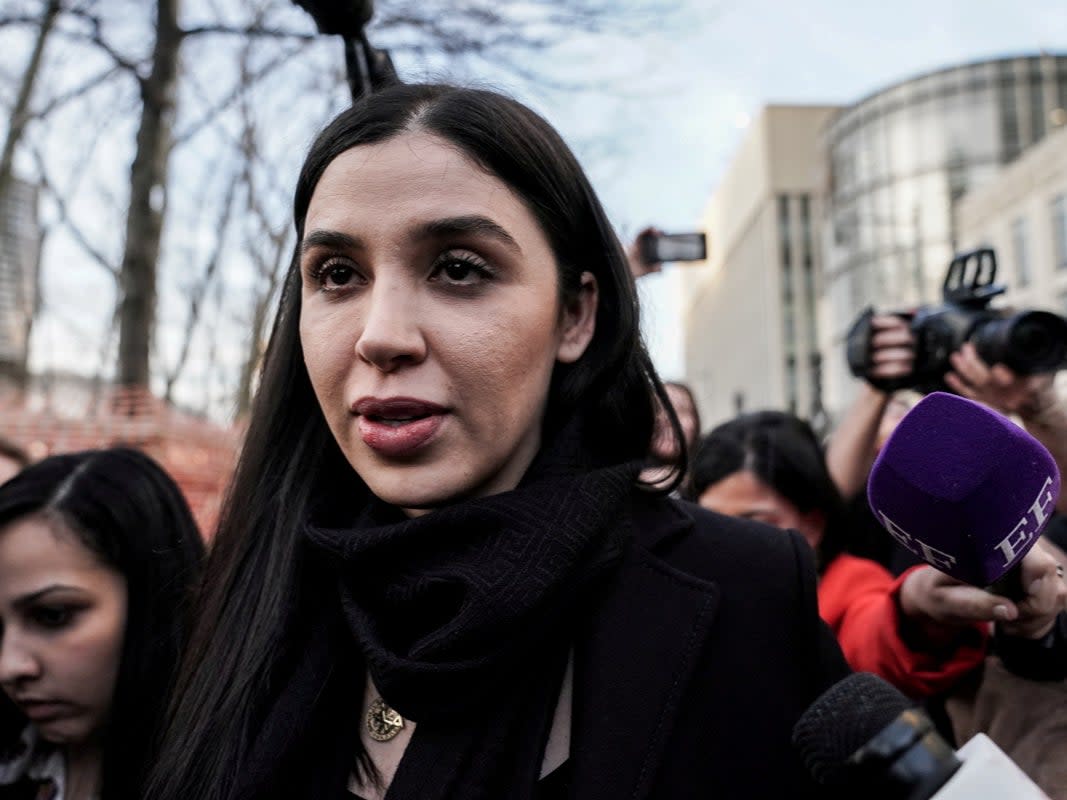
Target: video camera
[(1028, 342)]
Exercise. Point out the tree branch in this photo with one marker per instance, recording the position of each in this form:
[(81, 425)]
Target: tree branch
[(243, 86), (248, 31), (64, 217), (75, 93), (199, 290), (96, 37)]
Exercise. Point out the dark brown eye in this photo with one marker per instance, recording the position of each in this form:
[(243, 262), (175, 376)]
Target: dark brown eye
[(458, 271), (336, 275), (461, 271), (53, 617)]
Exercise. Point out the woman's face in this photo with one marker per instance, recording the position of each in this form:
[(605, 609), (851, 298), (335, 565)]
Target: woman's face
[(62, 620), (742, 494), (431, 321)]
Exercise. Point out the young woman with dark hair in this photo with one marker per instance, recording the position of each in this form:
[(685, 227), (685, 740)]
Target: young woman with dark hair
[(99, 561), (437, 574), (921, 631)]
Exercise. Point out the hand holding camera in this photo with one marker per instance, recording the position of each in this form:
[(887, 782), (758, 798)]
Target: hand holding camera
[(997, 386), (1029, 343)]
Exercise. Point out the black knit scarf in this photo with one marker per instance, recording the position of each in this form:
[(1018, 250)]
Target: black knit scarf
[(464, 619)]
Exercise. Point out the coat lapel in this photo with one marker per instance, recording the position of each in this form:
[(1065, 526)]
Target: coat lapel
[(632, 669)]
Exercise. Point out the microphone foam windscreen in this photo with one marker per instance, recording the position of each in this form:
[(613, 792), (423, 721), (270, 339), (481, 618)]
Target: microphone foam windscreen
[(963, 488), (844, 718)]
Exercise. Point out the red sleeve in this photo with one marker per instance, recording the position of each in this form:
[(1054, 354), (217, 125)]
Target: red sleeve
[(858, 599)]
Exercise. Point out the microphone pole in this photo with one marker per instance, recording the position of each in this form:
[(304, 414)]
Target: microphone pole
[(368, 69)]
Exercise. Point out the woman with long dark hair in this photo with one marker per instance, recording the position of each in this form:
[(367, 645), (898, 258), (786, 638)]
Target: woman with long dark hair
[(437, 574), (99, 561)]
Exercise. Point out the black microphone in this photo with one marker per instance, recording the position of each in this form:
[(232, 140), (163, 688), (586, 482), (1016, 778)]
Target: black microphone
[(864, 736)]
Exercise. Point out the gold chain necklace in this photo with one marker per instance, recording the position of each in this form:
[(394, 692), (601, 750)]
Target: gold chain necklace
[(383, 723)]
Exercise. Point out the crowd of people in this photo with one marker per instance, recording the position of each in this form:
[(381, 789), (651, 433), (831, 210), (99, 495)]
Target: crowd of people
[(474, 547)]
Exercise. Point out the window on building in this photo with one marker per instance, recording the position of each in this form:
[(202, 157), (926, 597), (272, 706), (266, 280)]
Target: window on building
[(805, 227), (784, 237), (1009, 113), (1037, 107), (1020, 251), (791, 383), (1059, 230)]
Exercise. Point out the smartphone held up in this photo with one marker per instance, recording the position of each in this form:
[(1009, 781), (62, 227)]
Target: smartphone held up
[(657, 248)]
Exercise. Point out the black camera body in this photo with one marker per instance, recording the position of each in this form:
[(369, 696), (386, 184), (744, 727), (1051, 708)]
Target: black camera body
[(1028, 343)]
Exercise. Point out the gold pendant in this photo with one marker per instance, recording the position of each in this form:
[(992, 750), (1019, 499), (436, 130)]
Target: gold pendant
[(383, 723)]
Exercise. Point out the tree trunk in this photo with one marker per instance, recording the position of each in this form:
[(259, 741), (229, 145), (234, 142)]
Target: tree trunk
[(16, 128), (19, 115), (144, 221)]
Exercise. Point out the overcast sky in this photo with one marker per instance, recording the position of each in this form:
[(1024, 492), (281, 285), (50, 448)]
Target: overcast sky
[(731, 58), (656, 119)]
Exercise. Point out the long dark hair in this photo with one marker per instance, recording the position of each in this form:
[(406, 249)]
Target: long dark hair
[(125, 509), (254, 575), (783, 452)]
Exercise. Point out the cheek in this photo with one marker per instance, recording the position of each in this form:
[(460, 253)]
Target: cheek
[(505, 366), (329, 350), (91, 654)]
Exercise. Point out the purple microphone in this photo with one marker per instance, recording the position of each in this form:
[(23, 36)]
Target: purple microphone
[(963, 488)]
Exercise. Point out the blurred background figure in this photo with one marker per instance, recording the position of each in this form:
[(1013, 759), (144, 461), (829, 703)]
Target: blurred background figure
[(666, 452), (99, 562), (12, 459)]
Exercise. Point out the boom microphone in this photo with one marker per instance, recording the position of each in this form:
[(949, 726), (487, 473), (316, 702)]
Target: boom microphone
[(964, 488), (863, 736)]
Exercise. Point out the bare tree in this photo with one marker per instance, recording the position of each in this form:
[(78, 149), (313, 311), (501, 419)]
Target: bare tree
[(16, 128), (235, 80), (148, 186), (19, 114), (198, 289)]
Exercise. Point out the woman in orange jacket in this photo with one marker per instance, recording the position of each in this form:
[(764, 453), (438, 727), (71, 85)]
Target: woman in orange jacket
[(921, 631)]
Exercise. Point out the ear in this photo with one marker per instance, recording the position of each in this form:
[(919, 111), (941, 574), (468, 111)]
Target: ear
[(579, 321)]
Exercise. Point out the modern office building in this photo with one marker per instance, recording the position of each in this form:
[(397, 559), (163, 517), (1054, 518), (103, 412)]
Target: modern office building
[(20, 245), (899, 162), (1022, 215), (750, 332)]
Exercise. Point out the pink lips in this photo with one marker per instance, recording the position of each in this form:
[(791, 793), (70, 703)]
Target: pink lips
[(44, 710), (398, 426)]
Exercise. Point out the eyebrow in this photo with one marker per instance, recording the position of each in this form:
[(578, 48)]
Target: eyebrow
[(472, 224), (332, 239), (30, 599)]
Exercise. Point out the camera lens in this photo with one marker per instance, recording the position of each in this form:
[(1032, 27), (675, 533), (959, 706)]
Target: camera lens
[(1028, 343)]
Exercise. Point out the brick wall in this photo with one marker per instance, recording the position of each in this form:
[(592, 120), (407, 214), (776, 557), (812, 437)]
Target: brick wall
[(198, 453)]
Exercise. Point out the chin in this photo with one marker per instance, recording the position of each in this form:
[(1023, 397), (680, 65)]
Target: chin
[(404, 494), (64, 732)]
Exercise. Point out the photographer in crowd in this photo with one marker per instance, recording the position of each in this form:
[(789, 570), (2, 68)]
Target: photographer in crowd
[(1004, 360), (1018, 702)]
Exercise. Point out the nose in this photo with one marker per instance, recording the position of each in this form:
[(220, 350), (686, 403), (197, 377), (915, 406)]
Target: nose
[(18, 662), (392, 334)]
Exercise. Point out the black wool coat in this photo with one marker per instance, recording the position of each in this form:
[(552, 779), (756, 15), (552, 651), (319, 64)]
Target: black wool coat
[(690, 670), (697, 663)]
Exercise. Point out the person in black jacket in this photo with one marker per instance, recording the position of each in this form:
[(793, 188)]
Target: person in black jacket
[(438, 574)]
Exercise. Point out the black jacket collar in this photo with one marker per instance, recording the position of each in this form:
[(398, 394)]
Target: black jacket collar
[(634, 663)]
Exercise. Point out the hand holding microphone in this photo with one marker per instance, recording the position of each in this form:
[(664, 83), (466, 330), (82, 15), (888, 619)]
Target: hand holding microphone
[(970, 492), (935, 598)]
